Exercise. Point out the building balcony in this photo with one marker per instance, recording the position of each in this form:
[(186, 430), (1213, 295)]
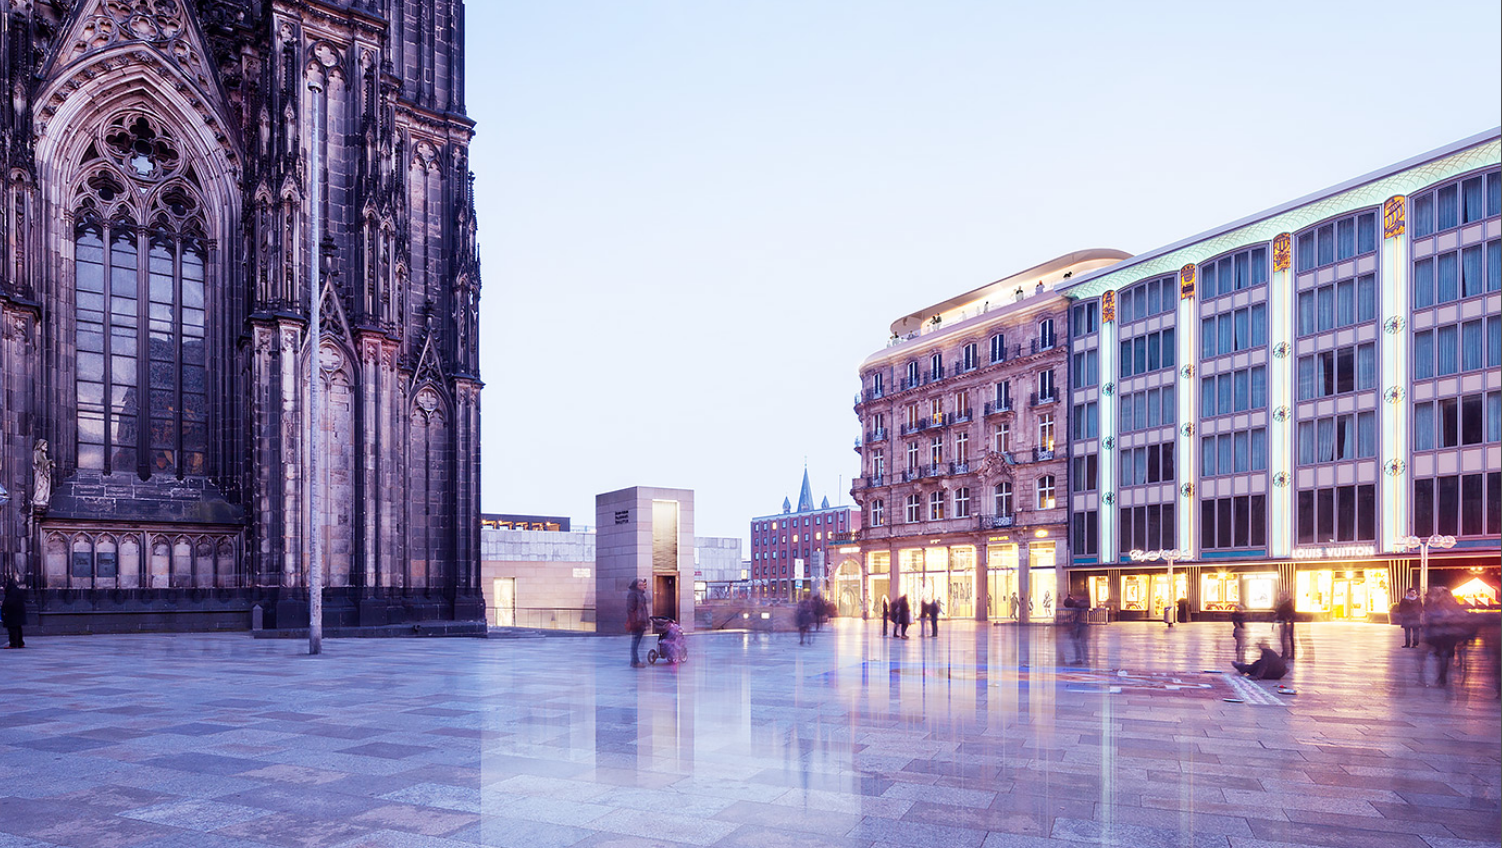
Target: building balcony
[(872, 482), (963, 416), (995, 408), (992, 522), (1041, 455), (878, 435), (916, 427), (1036, 399)]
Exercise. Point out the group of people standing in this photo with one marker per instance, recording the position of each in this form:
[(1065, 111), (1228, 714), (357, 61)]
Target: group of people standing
[(899, 614)]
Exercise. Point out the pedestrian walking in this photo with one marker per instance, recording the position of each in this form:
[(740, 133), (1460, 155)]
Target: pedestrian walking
[(886, 615), (1016, 607), (805, 615), (1410, 616), (13, 612), (1285, 615), (933, 616), (636, 619), (1446, 626)]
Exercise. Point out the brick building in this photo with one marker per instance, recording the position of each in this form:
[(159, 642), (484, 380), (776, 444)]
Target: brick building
[(793, 553), (963, 484), (155, 290)]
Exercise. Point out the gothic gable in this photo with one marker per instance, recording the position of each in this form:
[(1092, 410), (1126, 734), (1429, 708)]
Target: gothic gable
[(158, 34)]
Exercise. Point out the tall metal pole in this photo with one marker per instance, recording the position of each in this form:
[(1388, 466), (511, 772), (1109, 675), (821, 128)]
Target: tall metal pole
[(315, 430)]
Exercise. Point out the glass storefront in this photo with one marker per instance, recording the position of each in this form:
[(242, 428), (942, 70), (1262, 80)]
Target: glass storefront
[(878, 581), (1100, 591), (1043, 582), (1003, 586), (1134, 593), (1161, 596), (1219, 592), (960, 602), (1259, 589), (1351, 594)]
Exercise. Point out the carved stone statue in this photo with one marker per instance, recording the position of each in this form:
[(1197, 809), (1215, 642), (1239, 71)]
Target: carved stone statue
[(41, 469)]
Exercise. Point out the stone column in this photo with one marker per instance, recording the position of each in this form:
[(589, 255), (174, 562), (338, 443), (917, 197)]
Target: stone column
[(1024, 584)]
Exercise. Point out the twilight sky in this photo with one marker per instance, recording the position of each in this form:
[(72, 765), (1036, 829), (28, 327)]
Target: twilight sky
[(698, 217)]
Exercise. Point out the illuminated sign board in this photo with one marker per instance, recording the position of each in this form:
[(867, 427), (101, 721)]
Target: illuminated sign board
[(1154, 556), (1336, 552)]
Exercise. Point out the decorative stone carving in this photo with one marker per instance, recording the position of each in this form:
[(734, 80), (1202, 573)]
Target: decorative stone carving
[(41, 477)]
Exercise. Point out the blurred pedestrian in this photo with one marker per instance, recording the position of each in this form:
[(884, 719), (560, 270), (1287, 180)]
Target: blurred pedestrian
[(805, 615), (1446, 625), (886, 615), (902, 616), (934, 608), (1238, 631), (1074, 614), (13, 611), (636, 619), (1410, 615), (1285, 616)]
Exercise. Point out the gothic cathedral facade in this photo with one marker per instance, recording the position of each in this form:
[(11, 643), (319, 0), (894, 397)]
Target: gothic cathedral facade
[(158, 219)]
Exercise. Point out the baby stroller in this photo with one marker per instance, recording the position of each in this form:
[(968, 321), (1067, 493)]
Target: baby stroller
[(671, 645)]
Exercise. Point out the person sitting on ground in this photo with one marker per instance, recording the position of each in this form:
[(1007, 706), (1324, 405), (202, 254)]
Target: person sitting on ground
[(1269, 666)]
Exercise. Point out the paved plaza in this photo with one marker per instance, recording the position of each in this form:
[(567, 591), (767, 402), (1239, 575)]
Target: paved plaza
[(981, 737)]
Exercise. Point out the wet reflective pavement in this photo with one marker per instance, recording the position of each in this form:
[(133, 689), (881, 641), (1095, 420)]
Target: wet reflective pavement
[(984, 736)]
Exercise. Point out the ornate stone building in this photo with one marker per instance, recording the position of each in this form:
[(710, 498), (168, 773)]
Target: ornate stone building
[(157, 224), (964, 478)]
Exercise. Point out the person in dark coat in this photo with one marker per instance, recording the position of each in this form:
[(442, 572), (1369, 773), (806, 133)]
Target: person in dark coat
[(902, 616), (636, 619), (1238, 630), (933, 617), (1410, 616), (1269, 666), (1284, 613), (13, 610), (805, 617), (886, 615)]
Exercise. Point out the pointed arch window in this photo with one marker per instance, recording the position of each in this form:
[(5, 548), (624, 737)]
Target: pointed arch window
[(140, 310)]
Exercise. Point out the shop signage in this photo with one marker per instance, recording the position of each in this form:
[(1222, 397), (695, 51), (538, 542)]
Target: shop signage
[(1335, 552), (1154, 556)]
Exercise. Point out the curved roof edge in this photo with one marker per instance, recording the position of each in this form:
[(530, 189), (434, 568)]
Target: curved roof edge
[(1368, 189), (1096, 258)]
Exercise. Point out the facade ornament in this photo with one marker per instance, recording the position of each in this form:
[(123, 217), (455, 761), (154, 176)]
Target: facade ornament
[(1108, 443), (1187, 490), (1108, 389), (1187, 372), (1394, 325), (1281, 479), (1394, 394), (1280, 414), (1395, 467), (1187, 429), (1108, 498), (41, 471), (1280, 350)]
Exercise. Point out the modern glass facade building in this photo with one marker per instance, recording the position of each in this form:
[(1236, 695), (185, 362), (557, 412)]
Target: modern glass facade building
[(1278, 404)]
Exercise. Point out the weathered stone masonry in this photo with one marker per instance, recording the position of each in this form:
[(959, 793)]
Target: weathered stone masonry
[(155, 292)]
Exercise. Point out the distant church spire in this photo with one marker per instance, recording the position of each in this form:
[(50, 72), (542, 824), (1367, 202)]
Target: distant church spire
[(806, 496), (787, 505)]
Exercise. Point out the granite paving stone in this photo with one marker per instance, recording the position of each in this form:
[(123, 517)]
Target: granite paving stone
[(976, 738)]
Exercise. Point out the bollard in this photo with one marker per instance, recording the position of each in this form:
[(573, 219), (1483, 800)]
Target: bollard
[(257, 616)]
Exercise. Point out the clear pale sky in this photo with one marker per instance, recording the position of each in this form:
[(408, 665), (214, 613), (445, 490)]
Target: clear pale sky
[(697, 218)]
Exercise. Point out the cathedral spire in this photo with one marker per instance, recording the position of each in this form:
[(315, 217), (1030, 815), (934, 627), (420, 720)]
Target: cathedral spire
[(806, 495)]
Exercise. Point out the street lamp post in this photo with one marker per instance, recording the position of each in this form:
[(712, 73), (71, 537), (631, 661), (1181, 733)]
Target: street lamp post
[(4, 499), (1436, 541)]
